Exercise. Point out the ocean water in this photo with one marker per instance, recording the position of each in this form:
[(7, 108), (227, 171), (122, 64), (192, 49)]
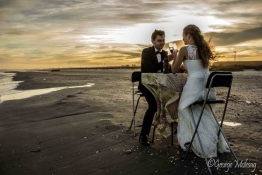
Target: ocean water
[(7, 86)]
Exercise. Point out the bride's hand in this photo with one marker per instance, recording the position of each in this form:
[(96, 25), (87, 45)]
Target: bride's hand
[(175, 54)]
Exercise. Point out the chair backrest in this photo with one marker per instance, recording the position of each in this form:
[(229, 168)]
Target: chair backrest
[(220, 79), (136, 76)]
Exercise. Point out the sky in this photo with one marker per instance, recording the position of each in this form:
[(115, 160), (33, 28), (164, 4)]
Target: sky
[(37, 34)]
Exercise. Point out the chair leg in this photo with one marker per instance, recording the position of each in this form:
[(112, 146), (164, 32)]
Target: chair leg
[(134, 114), (202, 149), (137, 105), (220, 129), (129, 128), (196, 127), (225, 108), (133, 105)]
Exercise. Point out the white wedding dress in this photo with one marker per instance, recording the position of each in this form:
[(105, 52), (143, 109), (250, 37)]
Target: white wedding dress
[(194, 90)]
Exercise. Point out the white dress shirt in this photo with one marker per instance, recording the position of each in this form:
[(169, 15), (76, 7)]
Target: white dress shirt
[(158, 55)]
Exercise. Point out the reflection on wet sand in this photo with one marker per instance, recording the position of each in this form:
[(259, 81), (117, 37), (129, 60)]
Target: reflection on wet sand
[(231, 123), (17, 95)]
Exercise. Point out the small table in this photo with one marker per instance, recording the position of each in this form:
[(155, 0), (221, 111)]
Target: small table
[(166, 89)]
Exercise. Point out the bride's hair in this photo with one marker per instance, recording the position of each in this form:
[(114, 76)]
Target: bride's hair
[(203, 46)]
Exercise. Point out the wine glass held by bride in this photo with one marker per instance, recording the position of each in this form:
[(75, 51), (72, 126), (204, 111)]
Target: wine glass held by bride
[(172, 47), (174, 56)]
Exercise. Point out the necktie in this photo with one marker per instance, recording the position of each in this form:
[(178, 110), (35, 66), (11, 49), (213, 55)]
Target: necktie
[(157, 52)]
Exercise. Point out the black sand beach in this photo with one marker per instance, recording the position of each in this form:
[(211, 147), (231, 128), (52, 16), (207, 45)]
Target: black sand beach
[(83, 130)]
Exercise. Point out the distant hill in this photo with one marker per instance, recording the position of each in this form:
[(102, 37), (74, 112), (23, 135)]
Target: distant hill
[(236, 65)]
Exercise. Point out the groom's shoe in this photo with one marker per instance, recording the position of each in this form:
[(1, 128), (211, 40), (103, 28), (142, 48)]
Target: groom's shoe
[(143, 140)]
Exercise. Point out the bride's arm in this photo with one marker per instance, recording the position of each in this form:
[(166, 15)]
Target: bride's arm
[(178, 59)]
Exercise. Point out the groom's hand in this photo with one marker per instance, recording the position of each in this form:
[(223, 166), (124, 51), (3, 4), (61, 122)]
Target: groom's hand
[(182, 69), (170, 57)]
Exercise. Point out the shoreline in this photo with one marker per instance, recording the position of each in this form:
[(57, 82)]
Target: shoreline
[(215, 66)]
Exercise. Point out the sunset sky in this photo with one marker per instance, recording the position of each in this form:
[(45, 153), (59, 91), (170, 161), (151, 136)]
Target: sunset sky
[(86, 33)]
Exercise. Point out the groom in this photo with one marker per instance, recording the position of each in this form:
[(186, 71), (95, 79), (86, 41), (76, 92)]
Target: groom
[(151, 62)]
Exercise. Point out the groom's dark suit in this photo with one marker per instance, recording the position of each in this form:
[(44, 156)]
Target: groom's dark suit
[(149, 64)]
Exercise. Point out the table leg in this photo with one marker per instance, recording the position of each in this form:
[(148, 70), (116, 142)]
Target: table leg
[(172, 133)]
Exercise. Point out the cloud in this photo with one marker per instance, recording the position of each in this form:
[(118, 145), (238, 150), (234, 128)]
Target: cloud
[(236, 11), (229, 5), (9, 3), (17, 31), (9, 7), (93, 32), (4, 58), (233, 38), (128, 54)]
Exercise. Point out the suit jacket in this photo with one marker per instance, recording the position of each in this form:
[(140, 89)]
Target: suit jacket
[(149, 64)]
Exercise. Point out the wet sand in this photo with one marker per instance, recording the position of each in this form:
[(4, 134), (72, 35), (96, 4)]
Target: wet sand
[(83, 130)]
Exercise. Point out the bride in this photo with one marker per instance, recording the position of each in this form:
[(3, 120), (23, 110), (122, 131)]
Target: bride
[(195, 56)]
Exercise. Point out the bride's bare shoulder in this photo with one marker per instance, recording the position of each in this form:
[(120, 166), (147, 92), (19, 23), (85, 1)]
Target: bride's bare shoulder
[(183, 50)]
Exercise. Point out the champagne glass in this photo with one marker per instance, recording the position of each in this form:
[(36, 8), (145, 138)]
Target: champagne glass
[(172, 47)]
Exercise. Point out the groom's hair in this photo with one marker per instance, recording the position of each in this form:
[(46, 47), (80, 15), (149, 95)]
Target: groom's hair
[(157, 32)]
